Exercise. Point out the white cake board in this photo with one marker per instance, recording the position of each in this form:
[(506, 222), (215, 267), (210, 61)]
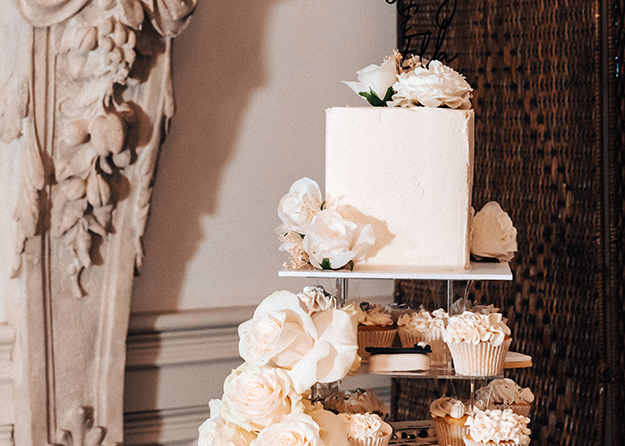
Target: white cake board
[(478, 271)]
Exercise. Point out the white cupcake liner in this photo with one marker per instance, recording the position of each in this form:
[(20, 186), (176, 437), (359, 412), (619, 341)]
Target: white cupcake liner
[(374, 338), (370, 441), (519, 409), (449, 434), (440, 352), (481, 359), (468, 442)]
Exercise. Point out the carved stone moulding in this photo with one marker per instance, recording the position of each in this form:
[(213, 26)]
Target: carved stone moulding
[(85, 100)]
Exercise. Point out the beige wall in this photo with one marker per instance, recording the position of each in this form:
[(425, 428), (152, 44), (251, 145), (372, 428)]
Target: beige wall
[(252, 82)]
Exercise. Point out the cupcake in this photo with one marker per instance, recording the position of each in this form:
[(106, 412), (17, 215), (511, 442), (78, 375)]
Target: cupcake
[(358, 401), (478, 343), (449, 416), (366, 429), (423, 326), (376, 328), (497, 427), (506, 394)]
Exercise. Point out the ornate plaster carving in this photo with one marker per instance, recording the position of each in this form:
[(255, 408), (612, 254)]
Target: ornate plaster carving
[(86, 99)]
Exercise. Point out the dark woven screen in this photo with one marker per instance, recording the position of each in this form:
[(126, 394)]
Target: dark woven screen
[(543, 150)]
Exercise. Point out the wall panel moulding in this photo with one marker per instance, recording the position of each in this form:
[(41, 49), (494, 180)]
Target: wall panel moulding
[(85, 99)]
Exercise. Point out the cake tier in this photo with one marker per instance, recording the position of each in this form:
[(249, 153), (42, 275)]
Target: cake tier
[(409, 173)]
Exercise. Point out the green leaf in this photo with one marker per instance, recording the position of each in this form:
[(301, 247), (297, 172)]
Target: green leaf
[(351, 265), (375, 100), (323, 204), (325, 263)]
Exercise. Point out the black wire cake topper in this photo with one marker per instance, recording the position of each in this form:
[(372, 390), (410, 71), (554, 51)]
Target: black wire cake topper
[(408, 9)]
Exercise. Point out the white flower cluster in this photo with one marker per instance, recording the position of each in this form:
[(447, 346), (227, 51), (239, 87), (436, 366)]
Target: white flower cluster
[(316, 235), (292, 342), (422, 84)]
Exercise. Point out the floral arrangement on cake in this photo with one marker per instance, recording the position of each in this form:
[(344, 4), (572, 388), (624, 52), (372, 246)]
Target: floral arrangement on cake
[(292, 342), (315, 234), (413, 82), (492, 234)]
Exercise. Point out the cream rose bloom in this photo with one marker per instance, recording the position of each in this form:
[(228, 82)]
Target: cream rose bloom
[(317, 348), (218, 432), (493, 234), (434, 86), (297, 429), (255, 397), (299, 206), (375, 79), (333, 242)]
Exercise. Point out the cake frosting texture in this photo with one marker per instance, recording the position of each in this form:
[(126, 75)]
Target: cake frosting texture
[(409, 173)]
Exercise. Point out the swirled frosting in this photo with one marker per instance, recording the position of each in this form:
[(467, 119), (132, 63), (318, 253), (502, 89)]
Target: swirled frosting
[(365, 425), (423, 321), (447, 406), (476, 328), (504, 391), (498, 426), (373, 315)]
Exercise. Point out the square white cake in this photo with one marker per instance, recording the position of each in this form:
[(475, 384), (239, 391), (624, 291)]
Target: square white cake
[(408, 172)]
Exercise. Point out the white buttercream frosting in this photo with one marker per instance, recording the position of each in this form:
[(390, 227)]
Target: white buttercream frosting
[(476, 328), (423, 321), (373, 315), (499, 426), (504, 391), (447, 406), (365, 425)]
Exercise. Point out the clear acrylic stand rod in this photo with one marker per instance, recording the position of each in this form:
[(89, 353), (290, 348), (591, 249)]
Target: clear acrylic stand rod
[(450, 295), (341, 292)]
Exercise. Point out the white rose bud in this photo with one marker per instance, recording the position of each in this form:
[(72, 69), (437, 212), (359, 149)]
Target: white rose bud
[(493, 234), (375, 80)]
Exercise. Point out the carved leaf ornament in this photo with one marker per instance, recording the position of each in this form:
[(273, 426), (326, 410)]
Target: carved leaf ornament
[(95, 49)]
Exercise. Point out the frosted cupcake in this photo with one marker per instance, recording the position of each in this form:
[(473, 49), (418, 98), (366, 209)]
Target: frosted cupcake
[(366, 429), (376, 328), (497, 427), (423, 326), (478, 343), (359, 401), (506, 394), (449, 416)]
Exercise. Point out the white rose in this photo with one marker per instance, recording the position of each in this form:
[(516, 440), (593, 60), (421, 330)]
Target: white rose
[(255, 397), (297, 429), (434, 86), (331, 428), (332, 241), (299, 206), (218, 432), (315, 299), (321, 348), (375, 79), (281, 332), (492, 233)]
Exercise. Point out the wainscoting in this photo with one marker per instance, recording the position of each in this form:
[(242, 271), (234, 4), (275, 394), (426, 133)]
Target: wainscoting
[(177, 362)]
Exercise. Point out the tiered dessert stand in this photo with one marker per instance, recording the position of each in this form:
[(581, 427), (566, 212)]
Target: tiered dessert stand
[(478, 271)]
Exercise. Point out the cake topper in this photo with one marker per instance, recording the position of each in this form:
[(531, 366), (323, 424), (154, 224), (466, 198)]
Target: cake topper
[(444, 15)]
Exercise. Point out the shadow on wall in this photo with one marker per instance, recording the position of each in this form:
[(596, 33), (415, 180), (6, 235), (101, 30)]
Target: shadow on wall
[(218, 65)]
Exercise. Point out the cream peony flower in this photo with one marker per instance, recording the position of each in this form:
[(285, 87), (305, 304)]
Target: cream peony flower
[(434, 86), (297, 429), (317, 348), (299, 206), (256, 397), (293, 243), (493, 234), (375, 81), (333, 241), (218, 432)]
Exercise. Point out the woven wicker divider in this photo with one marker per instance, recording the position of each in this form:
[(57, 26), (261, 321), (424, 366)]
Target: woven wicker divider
[(536, 66)]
